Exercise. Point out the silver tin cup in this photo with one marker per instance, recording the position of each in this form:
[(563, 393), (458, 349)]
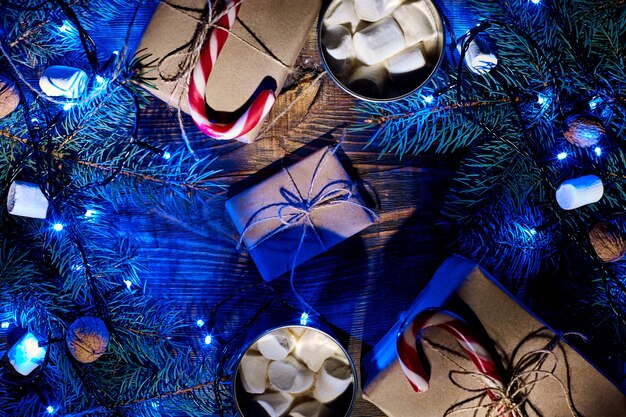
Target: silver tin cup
[(340, 407), (404, 85)]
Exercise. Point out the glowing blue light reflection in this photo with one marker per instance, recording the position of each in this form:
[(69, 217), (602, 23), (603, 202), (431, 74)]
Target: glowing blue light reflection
[(598, 150), (561, 156), (65, 27), (429, 99), (304, 319), (200, 323), (208, 340), (26, 355), (58, 227)]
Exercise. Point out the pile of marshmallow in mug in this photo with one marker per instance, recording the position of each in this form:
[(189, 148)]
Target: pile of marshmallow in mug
[(295, 370), (374, 40)]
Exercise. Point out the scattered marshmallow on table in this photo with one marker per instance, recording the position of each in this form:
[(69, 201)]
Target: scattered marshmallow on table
[(579, 192), (26, 199), (314, 348), (338, 42), (275, 404), (254, 373), (277, 344), (310, 409), (290, 375), (374, 10), (408, 60), (334, 378), (342, 13), (378, 41), (478, 57), (415, 21), (62, 81)]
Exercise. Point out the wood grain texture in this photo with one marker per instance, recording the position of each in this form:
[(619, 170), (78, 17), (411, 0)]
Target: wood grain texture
[(361, 285)]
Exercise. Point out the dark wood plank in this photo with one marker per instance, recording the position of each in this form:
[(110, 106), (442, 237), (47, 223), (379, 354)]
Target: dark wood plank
[(361, 284)]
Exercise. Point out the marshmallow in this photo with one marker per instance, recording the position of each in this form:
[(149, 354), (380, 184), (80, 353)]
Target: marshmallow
[(338, 42), (253, 373), (379, 41), (310, 409), (374, 10), (314, 348), (342, 13), (277, 344), (275, 404), (415, 21), (579, 191), (60, 81), (369, 80), (408, 60), (26, 199), (298, 331), (478, 58), (289, 375), (334, 378)]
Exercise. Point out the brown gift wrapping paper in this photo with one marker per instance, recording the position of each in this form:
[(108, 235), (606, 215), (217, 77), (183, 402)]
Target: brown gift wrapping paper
[(507, 323), (333, 223), (265, 42)]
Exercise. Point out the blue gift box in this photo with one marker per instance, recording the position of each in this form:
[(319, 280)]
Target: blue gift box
[(270, 216)]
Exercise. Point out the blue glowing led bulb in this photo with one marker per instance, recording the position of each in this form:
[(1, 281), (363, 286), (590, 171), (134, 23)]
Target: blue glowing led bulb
[(208, 339), (304, 319), (561, 156)]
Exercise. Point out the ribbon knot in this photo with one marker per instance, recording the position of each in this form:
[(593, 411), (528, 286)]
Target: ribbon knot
[(529, 372), (297, 208), (294, 209)]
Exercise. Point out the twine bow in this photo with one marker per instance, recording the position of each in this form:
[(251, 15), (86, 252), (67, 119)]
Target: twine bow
[(296, 209), (527, 374)]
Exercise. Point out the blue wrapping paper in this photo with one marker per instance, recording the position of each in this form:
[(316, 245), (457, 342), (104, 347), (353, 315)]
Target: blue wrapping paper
[(272, 246)]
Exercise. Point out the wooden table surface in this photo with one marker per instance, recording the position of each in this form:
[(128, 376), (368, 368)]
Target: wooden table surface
[(362, 284)]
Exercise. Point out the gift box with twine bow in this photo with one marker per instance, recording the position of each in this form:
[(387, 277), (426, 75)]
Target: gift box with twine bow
[(259, 52), (543, 375), (299, 213)]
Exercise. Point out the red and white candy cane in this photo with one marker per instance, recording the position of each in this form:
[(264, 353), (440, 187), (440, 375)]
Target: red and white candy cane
[(411, 363), (255, 113)]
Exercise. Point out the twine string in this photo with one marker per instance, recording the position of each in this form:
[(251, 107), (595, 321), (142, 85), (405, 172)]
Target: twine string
[(296, 209), (190, 51), (532, 369)]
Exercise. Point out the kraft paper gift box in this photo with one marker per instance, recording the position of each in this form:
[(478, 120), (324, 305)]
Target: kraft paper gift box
[(329, 224), (512, 329), (264, 42)]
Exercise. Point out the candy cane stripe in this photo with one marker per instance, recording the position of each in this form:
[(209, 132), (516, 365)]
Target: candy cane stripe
[(409, 357), (258, 109)]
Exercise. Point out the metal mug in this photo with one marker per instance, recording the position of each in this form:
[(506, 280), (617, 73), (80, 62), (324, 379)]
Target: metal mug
[(340, 407), (408, 84)]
